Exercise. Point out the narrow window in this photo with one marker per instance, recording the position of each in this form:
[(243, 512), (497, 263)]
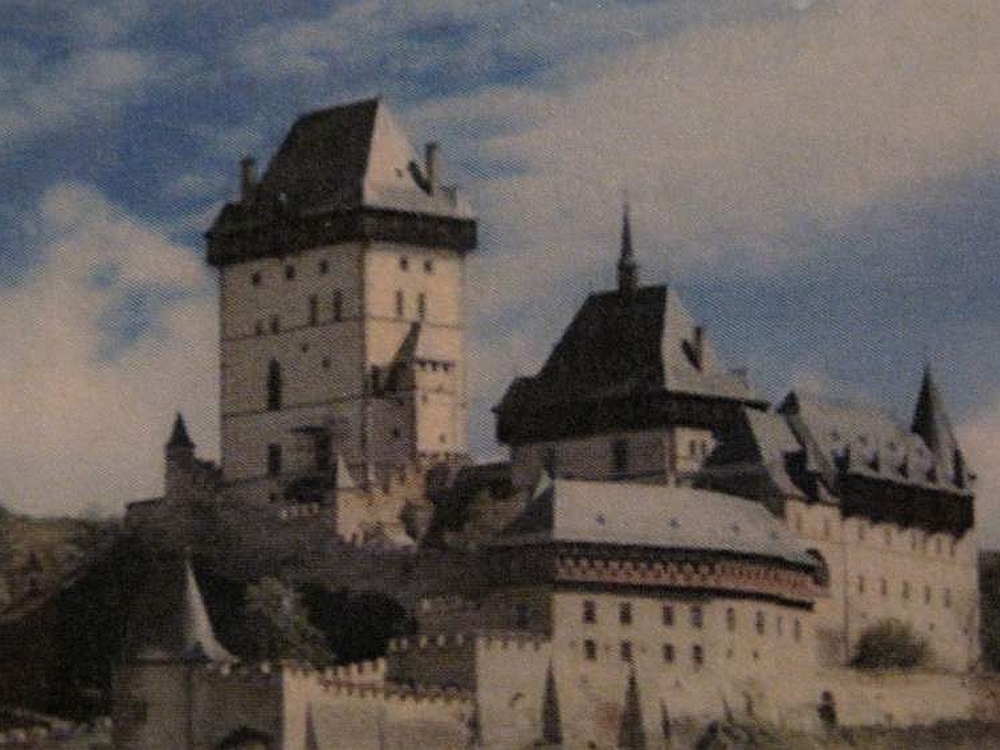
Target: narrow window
[(826, 528), (323, 267), (273, 459), (668, 615), (797, 630), (779, 626), (258, 328), (625, 613), (668, 653), (888, 537), (760, 622), (273, 386), (590, 649), (937, 546), (338, 305), (693, 448), (289, 272), (798, 523), (927, 594), (861, 584), (883, 587), (906, 590), (947, 598), (404, 263), (275, 324), (731, 619), (255, 278), (521, 616), (400, 303), (697, 655), (619, 454), (428, 266), (313, 310), (589, 612), (626, 650), (422, 305), (861, 531), (697, 616)]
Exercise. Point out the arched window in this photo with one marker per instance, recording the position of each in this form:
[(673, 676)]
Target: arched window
[(273, 386)]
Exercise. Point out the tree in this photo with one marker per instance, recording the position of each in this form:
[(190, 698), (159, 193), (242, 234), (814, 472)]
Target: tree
[(890, 643), (279, 626)]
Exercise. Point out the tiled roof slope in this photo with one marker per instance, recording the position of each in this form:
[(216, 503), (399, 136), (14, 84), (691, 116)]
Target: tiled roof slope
[(651, 516), (621, 344), (863, 440)]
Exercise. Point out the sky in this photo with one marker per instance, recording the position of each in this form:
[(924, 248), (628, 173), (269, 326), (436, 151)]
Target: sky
[(819, 180)]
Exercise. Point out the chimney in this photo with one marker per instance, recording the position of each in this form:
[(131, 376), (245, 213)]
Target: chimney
[(432, 167), (248, 178)]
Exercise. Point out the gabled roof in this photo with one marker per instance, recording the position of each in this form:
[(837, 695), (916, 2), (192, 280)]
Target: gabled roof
[(651, 516), (170, 622), (621, 344)]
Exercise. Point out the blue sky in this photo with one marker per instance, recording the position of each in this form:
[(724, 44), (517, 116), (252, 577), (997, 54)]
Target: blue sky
[(819, 179)]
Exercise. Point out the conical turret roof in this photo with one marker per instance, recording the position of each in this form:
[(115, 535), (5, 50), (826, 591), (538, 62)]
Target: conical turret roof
[(931, 422), (179, 435), (170, 621)]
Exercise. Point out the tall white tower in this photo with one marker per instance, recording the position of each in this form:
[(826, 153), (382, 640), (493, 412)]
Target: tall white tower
[(341, 286)]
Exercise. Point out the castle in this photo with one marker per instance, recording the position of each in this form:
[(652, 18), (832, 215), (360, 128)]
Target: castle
[(667, 549)]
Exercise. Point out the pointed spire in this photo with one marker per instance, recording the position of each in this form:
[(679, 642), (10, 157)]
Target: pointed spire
[(632, 734), (170, 621), (628, 269), (551, 723), (179, 434), (930, 421), (311, 740)]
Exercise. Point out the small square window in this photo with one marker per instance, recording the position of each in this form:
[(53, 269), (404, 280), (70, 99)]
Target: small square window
[(668, 653), (255, 278), (589, 612), (625, 613), (326, 363), (697, 655), (324, 266), (626, 650), (590, 649), (289, 272), (275, 324), (668, 615)]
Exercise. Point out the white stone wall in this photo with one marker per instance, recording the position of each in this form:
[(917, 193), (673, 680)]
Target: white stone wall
[(325, 358), (878, 571)]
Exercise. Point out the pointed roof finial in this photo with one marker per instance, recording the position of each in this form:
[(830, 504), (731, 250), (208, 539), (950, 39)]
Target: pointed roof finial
[(551, 722), (931, 422), (632, 733), (179, 434), (628, 269)]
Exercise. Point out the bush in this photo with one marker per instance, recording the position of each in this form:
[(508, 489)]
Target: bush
[(890, 643)]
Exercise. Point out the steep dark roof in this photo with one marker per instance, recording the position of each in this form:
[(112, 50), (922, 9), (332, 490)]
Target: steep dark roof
[(323, 159), (179, 435), (169, 621), (624, 344)]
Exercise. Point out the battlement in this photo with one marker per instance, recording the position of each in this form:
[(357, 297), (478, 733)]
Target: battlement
[(487, 639)]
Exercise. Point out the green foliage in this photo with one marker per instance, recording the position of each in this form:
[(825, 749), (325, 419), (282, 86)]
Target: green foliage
[(357, 624), (890, 644), (279, 626)]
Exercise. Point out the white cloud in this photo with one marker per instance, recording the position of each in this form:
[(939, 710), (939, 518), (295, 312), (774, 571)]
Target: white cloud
[(979, 438), (79, 430), (95, 84)]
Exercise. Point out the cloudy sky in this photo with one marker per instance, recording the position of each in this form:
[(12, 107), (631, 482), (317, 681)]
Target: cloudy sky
[(821, 181)]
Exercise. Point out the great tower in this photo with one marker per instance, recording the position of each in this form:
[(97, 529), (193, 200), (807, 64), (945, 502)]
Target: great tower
[(342, 313)]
